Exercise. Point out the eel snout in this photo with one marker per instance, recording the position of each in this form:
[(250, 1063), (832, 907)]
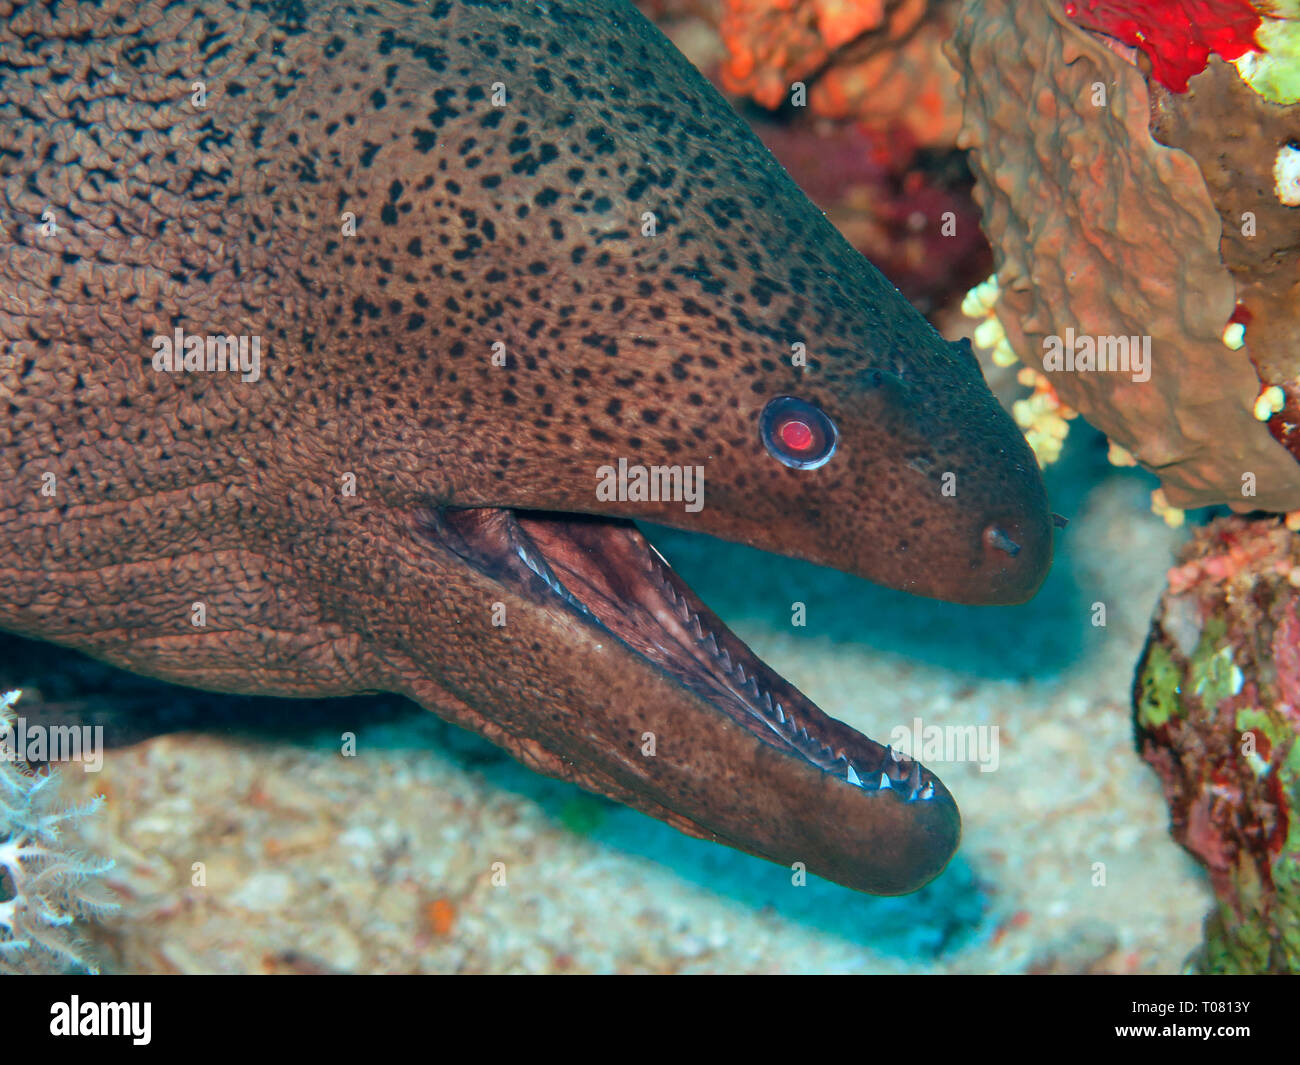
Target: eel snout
[(738, 754), (1011, 557)]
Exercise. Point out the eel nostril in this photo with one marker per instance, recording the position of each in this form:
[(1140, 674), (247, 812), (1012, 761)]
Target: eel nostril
[(997, 537)]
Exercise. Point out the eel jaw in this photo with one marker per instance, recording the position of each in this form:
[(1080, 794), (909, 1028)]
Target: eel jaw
[(604, 573)]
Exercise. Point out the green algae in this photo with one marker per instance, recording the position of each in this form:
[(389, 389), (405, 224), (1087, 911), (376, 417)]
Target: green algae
[(1214, 675), (1275, 72), (1158, 689)]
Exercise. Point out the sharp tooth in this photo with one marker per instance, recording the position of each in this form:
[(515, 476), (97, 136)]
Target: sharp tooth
[(928, 791), (853, 776), (699, 630), (780, 714), (711, 642), (684, 609), (740, 672), (726, 661), (884, 780)]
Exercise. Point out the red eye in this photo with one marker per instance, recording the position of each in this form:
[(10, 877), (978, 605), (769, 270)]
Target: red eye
[(796, 433)]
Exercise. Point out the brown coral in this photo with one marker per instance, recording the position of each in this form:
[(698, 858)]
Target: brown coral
[(1100, 230), (1235, 135)]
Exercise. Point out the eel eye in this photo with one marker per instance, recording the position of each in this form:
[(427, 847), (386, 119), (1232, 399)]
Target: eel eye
[(797, 434)]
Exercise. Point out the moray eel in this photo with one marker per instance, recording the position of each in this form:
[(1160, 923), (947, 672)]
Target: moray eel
[(482, 249)]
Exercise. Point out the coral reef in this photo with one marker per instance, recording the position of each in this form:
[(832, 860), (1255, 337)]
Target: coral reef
[(873, 143), (1217, 701), (888, 200), (878, 62), (1100, 232), (1177, 36), (1240, 142), (44, 884)]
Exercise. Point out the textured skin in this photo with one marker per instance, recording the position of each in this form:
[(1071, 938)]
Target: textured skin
[(1098, 228), (475, 225)]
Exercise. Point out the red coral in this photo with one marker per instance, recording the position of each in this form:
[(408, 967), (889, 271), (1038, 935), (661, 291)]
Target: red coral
[(1177, 35)]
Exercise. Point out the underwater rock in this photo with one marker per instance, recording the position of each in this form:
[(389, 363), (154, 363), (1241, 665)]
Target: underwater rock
[(1217, 702), (1102, 234)]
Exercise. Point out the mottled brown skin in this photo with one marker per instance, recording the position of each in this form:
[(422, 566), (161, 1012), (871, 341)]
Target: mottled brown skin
[(475, 224)]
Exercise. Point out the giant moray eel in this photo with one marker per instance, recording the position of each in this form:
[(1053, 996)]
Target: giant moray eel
[(363, 515)]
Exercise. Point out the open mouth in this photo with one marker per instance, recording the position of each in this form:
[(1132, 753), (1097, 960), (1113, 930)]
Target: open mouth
[(605, 572)]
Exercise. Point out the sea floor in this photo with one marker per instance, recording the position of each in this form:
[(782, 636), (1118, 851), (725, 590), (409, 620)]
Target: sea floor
[(248, 843)]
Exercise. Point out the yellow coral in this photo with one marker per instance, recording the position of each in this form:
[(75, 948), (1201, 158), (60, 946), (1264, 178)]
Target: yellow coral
[(1271, 400), (1117, 455), (1042, 415), (981, 302), (1160, 507)]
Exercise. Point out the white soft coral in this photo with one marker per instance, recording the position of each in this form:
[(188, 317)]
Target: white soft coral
[(44, 885)]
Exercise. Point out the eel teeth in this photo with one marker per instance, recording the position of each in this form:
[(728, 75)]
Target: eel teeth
[(884, 781), (928, 791), (852, 776), (780, 714), (548, 577), (740, 672)]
